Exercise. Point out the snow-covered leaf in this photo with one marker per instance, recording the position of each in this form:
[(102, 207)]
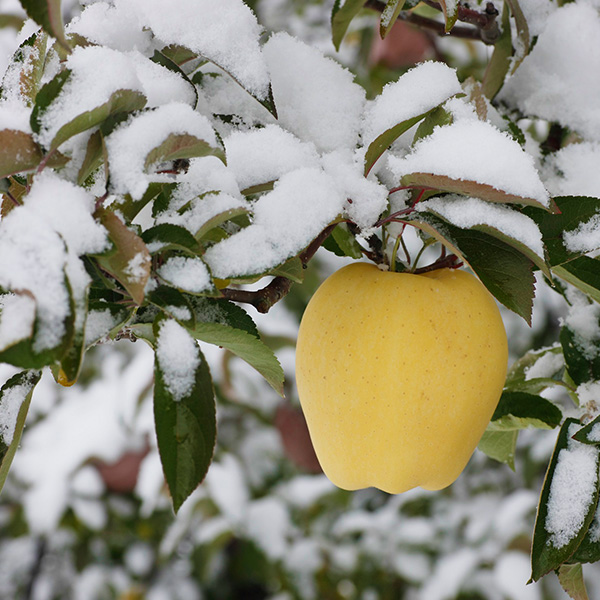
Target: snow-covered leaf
[(184, 409), (181, 146), (162, 59), (47, 14), (473, 158), (215, 221), (174, 304), (341, 17), (506, 272), (449, 8), (188, 274), (292, 269), (571, 580), (15, 397), (103, 320), (129, 261), (571, 231), (404, 103), (500, 445), (167, 236), (589, 433), (536, 371), (581, 356), (502, 222), (519, 410), (24, 73), (567, 503), (389, 15), (583, 273)]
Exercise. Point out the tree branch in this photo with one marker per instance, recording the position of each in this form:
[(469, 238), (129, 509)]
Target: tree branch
[(485, 28), (266, 297)]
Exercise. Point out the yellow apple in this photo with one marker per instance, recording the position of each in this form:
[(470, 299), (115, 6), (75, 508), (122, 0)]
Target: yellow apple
[(398, 375)]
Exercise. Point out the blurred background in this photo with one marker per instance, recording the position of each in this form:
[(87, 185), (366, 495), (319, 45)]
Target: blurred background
[(85, 514)]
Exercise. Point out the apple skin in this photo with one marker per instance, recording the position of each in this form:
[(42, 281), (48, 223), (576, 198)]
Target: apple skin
[(398, 375)]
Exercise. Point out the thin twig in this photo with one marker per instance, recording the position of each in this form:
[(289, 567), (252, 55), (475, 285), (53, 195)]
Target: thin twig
[(485, 24)]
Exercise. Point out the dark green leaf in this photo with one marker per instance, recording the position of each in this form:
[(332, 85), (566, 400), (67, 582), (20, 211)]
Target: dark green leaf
[(182, 145), (519, 410), (571, 580), (438, 117), (341, 17), (589, 434), (15, 397), (223, 312), (554, 544), (169, 236), (500, 445), (573, 211), (121, 101), (47, 94), (345, 241), (389, 15), (95, 156), (47, 14), (184, 410), (499, 64), (506, 273), (583, 273), (583, 365), (130, 262), (380, 144), (175, 304)]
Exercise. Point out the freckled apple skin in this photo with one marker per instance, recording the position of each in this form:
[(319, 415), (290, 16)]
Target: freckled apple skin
[(398, 375)]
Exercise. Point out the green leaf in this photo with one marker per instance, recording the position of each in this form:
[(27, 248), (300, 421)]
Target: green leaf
[(589, 434), (583, 363), (539, 262), (106, 319), (574, 210), (208, 227), (341, 17), (506, 273), (571, 580), (583, 273), (519, 376), (168, 236), (219, 324), (500, 446), (389, 15), (47, 14), (120, 101), (380, 144), (164, 61), (95, 156), (47, 94), (129, 263), (184, 410), (466, 187), (174, 304), (438, 117), (498, 66), (223, 312), (130, 208), (342, 243), (450, 14), (182, 145), (15, 397), (550, 549), (519, 410), (292, 269)]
